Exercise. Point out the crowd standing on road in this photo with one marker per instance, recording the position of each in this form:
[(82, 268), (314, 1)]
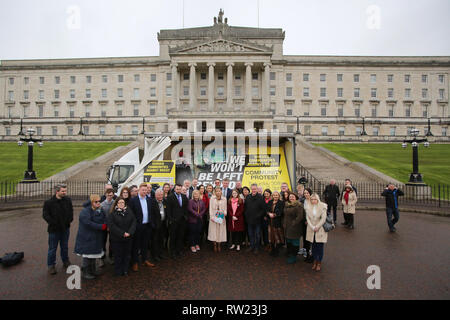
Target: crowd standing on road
[(145, 226)]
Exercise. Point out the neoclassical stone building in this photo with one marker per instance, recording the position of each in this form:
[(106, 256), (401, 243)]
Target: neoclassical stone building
[(226, 78)]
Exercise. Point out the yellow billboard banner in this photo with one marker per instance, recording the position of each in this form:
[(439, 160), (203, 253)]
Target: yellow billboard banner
[(267, 169), (160, 171)]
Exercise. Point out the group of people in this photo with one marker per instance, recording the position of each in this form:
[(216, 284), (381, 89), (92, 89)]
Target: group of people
[(145, 225)]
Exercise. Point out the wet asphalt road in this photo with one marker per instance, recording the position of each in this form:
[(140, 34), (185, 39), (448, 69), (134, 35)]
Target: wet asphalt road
[(414, 264)]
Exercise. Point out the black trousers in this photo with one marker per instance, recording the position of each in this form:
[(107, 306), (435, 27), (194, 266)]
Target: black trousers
[(306, 243), (334, 207), (177, 231), (122, 256), (159, 238), (237, 237), (141, 242)]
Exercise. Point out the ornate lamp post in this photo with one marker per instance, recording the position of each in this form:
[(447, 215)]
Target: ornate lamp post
[(415, 177), (30, 174), (298, 125), (81, 127), (143, 125), (364, 133)]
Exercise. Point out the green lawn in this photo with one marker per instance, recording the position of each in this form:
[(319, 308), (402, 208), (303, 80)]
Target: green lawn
[(393, 160), (52, 158)]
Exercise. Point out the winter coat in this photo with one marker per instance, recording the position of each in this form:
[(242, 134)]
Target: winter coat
[(392, 197), (331, 195), (317, 220), (351, 206), (294, 214), (120, 222), (236, 225), (196, 210), (217, 232), (255, 209), (58, 213), (90, 234), (279, 212)]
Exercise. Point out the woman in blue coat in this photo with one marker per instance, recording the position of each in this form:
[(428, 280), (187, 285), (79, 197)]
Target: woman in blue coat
[(89, 243)]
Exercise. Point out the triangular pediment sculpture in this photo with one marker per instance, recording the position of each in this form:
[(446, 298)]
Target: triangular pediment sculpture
[(221, 46)]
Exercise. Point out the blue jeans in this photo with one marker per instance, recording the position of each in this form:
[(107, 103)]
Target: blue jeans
[(254, 234), (392, 212), (53, 239)]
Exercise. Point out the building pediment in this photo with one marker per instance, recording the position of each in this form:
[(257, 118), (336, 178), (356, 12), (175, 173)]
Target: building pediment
[(221, 46)]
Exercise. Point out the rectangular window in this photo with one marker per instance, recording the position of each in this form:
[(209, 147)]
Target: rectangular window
[(70, 131), (88, 93), (168, 91), (137, 78), (424, 78), (391, 111), (390, 78), (25, 111), (86, 130), (41, 80), (185, 76), (203, 76), (11, 81), (340, 110), (373, 92), (424, 93), (441, 94), (40, 111), (392, 131), (408, 111), (339, 77), (11, 95), (71, 111), (289, 112), (72, 93), (220, 91), (237, 91), (375, 131), (185, 90), (306, 92), (120, 78), (306, 77), (120, 92), (57, 80), (203, 91), (56, 94), (152, 92), (340, 92), (425, 111), (356, 92), (119, 109), (237, 76), (373, 78), (41, 94), (104, 93), (220, 76), (152, 109), (358, 131), (307, 130), (10, 112), (288, 92), (341, 131), (169, 76), (407, 93), (407, 78), (441, 78), (26, 94), (356, 78), (255, 76), (136, 93), (390, 93), (72, 79), (103, 111), (101, 130), (87, 111), (88, 79), (39, 131), (324, 130), (307, 108), (7, 131), (289, 128), (444, 131), (26, 80), (323, 77), (323, 110), (135, 110), (374, 111), (323, 92), (118, 130), (134, 130), (357, 111), (153, 77), (55, 131), (104, 78), (288, 76), (255, 91), (273, 76), (273, 90)]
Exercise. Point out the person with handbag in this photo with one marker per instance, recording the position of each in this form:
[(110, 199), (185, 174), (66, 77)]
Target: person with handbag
[(349, 200), (275, 215), (217, 231), (196, 210), (294, 214), (236, 224), (316, 216)]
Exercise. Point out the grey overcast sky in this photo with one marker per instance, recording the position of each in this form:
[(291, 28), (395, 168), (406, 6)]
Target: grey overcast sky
[(41, 29)]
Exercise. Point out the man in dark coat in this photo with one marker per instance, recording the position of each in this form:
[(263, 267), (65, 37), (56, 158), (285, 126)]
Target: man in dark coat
[(145, 211), (177, 216), (160, 232), (255, 210), (391, 193), (331, 196), (58, 213)]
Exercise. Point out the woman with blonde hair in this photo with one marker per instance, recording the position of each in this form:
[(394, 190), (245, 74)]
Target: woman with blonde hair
[(316, 215), (196, 210), (217, 231)]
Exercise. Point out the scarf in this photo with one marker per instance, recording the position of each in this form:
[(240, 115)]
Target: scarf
[(346, 196)]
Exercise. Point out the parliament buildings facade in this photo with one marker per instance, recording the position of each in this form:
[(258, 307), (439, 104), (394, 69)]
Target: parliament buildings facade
[(226, 78)]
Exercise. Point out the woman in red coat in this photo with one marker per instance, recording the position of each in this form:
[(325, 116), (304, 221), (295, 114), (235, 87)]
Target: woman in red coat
[(236, 220)]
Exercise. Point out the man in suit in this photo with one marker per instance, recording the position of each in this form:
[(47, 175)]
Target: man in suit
[(225, 190), (189, 188), (176, 218), (146, 212), (331, 195)]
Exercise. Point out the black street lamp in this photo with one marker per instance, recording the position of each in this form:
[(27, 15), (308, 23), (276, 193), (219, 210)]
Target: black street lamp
[(298, 125), (21, 128), (364, 133), (81, 127), (30, 174), (143, 125), (415, 177), (429, 134)]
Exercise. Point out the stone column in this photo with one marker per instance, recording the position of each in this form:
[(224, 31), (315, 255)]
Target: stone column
[(192, 87), (175, 100), (230, 85), (211, 94), (266, 88), (248, 86)]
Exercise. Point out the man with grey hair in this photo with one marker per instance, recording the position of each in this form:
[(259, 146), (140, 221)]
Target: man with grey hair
[(331, 196), (160, 233), (58, 213), (255, 210)]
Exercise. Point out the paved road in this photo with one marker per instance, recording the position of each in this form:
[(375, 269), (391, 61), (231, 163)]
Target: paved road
[(414, 265)]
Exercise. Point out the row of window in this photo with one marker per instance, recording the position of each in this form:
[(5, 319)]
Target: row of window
[(359, 130), (237, 76), (237, 93)]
